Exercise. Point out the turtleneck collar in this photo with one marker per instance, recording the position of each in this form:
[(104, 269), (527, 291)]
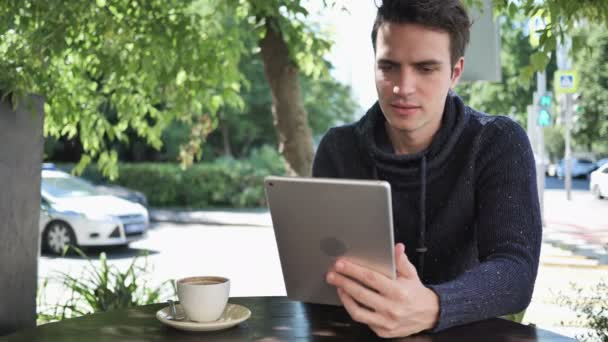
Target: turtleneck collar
[(374, 141)]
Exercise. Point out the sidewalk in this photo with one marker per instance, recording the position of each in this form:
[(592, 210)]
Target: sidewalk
[(579, 225), (220, 217)]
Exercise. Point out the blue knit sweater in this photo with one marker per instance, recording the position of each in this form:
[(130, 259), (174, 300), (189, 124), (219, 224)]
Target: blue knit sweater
[(466, 208)]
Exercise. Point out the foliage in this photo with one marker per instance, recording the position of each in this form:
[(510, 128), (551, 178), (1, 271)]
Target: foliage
[(101, 288), (590, 124), (115, 69), (555, 142), (511, 95), (327, 102), (591, 306), (225, 182), (308, 45), (150, 62), (562, 17)]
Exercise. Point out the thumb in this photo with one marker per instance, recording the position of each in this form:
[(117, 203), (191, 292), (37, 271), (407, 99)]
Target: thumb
[(404, 266)]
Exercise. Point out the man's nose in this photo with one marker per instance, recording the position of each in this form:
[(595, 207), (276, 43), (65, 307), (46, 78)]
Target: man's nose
[(405, 84)]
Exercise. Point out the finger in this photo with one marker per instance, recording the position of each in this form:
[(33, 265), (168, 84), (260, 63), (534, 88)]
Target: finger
[(404, 267), (381, 332), (359, 313), (371, 279), (360, 293)]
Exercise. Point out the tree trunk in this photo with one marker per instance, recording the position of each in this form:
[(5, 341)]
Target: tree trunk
[(21, 146), (225, 136), (290, 118)]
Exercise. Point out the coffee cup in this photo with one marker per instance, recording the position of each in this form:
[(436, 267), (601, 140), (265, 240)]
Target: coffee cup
[(203, 298)]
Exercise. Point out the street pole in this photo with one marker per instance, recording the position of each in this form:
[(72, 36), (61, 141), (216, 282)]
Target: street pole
[(564, 63), (568, 152), (541, 88)]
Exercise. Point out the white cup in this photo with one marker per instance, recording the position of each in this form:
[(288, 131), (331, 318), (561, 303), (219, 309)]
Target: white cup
[(203, 298)]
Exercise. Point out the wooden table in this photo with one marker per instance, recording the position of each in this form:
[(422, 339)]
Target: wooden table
[(272, 319)]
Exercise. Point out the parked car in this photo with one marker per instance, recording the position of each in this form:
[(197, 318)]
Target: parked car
[(124, 193), (111, 189), (74, 212), (598, 182), (579, 168)]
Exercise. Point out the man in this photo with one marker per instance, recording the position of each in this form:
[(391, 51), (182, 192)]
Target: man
[(465, 203)]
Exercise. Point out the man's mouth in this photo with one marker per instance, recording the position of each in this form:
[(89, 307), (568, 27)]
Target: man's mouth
[(405, 109)]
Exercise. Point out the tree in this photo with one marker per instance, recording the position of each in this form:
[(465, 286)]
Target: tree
[(512, 95), (288, 46), (590, 129), (151, 62), (325, 100), (563, 17)]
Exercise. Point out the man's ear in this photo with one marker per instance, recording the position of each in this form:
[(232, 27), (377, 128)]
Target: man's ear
[(457, 72)]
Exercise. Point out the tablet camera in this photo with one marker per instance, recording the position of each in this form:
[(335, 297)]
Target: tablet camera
[(332, 247)]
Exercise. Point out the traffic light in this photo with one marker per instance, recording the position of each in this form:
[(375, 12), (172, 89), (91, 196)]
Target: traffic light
[(578, 104), (544, 109)]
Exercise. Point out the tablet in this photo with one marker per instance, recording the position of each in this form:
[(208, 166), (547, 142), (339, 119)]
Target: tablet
[(317, 220)]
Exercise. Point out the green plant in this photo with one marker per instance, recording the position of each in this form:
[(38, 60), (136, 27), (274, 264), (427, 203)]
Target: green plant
[(101, 287), (224, 182), (591, 306)]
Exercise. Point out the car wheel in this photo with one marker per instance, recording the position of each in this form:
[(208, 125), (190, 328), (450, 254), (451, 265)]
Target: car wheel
[(57, 236), (596, 192)]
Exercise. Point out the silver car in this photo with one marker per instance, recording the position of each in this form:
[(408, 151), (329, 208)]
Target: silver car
[(73, 212)]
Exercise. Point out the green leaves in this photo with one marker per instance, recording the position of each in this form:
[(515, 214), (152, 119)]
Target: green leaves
[(539, 60), (101, 287), (120, 65)]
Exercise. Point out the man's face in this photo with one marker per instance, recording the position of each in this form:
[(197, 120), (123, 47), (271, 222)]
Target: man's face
[(413, 75)]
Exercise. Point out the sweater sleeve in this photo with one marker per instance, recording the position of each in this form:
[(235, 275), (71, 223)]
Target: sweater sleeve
[(508, 230)]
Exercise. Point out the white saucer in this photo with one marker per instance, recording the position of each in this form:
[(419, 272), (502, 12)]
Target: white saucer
[(233, 315)]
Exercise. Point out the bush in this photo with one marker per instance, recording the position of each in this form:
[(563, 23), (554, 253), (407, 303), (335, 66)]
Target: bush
[(225, 182), (591, 305)]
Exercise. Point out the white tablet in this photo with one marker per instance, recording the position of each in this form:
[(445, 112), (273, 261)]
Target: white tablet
[(316, 220)]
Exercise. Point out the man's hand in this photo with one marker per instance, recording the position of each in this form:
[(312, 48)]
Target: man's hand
[(391, 308)]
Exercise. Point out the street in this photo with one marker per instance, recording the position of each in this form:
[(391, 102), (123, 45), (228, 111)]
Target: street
[(246, 255)]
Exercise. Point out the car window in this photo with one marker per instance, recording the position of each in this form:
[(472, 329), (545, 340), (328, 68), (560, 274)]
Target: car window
[(585, 161), (67, 187)]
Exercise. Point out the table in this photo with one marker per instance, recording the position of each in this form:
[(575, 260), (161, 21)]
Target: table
[(272, 319)]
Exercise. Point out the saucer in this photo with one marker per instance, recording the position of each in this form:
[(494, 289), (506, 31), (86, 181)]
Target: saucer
[(232, 315)]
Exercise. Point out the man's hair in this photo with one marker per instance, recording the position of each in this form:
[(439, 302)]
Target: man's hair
[(445, 15)]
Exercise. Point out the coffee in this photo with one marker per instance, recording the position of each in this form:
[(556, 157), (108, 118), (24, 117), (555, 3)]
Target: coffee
[(203, 280), (203, 298)]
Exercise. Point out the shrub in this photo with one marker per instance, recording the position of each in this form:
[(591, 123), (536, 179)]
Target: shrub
[(224, 182)]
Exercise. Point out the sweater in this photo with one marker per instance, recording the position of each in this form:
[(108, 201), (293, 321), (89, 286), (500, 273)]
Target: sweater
[(466, 208)]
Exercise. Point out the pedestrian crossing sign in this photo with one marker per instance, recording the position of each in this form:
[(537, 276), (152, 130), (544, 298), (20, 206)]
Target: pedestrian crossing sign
[(565, 81)]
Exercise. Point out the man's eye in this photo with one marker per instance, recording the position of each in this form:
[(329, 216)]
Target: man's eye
[(386, 67), (426, 70)]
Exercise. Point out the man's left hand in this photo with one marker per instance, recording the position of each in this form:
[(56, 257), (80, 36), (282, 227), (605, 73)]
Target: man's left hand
[(391, 308)]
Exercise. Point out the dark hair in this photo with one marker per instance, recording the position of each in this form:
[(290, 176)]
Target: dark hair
[(444, 15)]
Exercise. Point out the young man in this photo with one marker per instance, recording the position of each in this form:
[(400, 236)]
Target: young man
[(465, 203)]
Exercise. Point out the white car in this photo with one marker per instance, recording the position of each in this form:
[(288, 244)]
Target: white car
[(73, 212), (598, 182)]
